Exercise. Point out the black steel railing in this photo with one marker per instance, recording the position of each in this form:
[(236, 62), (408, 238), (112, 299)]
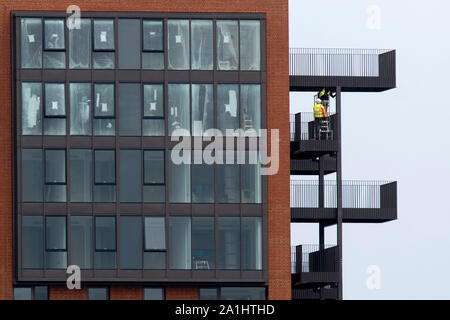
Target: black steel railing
[(355, 194), (335, 62), (314, 258), (308, 126)]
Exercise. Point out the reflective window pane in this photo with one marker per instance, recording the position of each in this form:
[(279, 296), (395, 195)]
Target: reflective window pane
[(104, 60), (55, 235), (54, 34), (229, 176), (54, 60), (227, 45), (155, 260), (80, 175), (104, 100), (179, 182), (203, 244), (243, 293), (55, 126), (129, 43), (154, 167), (105, 176), (178, 44), (202, 44), (22, 294), (153, 127), (251, 178), (155, 233), (202, 183), (251, 243), (80, 109), (180, 242), (202, 108), (55, 166), (229, 243), (32, 242), (227, 107), (98, 294), (130, 109), (103, 34), (105, 243), (250, 45), (130, 176), (153, 35), (153, 100), (55, 99), (251, 108), (208, 294), (31, 43), (153, 294), (130, 242), (179, 113), (80, 45), (153, 60), (104, 127), (31, 108), (32, 175), (81, 241), (41, 293)]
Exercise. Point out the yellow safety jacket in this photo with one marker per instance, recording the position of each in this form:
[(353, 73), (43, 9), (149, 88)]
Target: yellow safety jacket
[(322, 93), (319, 111)]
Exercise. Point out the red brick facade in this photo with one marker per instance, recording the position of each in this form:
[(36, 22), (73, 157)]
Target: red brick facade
[(279, 284)]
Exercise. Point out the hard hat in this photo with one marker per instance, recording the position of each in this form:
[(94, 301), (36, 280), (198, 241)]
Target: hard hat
[(318, 101)]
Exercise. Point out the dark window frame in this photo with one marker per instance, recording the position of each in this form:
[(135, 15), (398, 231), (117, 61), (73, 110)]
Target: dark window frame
[(47, 250)]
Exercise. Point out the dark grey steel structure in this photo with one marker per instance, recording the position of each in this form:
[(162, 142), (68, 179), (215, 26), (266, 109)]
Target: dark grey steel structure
[(317, 269)]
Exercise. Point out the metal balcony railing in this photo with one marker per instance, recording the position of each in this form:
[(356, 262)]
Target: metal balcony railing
[(355, 194), (313, 258), (335, 62), (307, 125)]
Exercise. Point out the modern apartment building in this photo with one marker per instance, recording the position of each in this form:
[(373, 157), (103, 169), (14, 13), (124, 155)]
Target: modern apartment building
[(91, 103)]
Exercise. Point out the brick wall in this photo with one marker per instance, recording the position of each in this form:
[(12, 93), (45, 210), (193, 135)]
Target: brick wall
[(277, 114), (182, 293), (62, 293), (125, 293)]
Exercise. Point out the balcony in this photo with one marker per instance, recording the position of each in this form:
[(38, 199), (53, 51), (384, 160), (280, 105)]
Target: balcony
[(306, 139), (313, 265), (354, 70), (362, 201)]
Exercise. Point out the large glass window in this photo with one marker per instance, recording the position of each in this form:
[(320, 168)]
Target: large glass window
[(80, 109), (22, 294), (129, 43), (98, 293), (104, 44), (32, 242), (180, 242), (104, 111), (31, 108), (251, 243), (130, 109), (202, 108), (105, 176), (154, 176), (251, 108), (178, 44), (130, 242), (105, 242), (153, 45), (179, 182), (54, 44), (179, 111), (32, 175), (31, 293), (80, 175), (130, 176), (229, 243), (153, 293), (243, 293), (155, 243), (208, 294), (227, 107), (80, 45), (229, 177), (153, 123), (81, 241), (251, 178), (31, 43), (202, 183), (202, 44), (55, 175), (55, 242), (203, 244), (55, 109), (250, 43), (227, 45)]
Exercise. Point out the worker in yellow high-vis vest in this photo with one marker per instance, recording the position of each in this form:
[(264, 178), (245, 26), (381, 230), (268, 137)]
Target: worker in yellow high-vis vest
[(319, 113)]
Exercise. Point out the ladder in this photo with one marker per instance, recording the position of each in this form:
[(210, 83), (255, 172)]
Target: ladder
[(324, 131)]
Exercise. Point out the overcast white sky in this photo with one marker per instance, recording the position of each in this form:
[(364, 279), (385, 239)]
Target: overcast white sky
[(401, 134)]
